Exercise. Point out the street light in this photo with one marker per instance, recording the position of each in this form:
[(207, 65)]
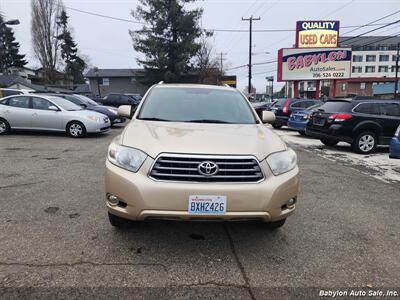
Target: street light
[(10, 22)]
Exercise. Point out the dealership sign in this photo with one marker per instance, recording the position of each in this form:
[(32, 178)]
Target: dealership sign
[(314, 64), (317, 34)]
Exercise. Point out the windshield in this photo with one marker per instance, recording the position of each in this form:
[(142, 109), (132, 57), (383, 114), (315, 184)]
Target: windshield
[(196, 105), (64, 104), (87, 100)]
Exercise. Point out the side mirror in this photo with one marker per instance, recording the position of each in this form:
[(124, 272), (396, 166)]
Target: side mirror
[(83, 105), (53, 108), (268, 117), (125, 111)]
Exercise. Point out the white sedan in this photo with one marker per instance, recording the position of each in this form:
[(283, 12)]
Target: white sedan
[(50, 113)]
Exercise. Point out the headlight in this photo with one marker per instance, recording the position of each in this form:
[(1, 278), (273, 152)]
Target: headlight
[(115, 112), (127, 158), (282, 162), (94, 119)]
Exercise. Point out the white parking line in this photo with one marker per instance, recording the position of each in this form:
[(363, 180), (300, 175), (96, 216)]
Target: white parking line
[(378, 164)]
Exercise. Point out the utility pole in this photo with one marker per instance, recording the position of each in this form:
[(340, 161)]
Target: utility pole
[(396, 83), (221, 57), (251, 19)]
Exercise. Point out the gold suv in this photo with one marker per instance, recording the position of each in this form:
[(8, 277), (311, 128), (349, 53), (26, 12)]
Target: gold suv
[(198, 152)]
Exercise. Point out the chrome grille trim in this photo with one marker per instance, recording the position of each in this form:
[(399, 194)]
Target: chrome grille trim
[(171, 167)]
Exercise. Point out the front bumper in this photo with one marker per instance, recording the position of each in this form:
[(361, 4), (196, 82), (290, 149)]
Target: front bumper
[(144, 198), (95, 127), (394, 151)]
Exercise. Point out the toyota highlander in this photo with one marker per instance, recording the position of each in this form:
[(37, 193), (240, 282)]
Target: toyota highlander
[(198, 152)]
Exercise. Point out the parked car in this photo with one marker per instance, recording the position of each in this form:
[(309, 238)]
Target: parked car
[(116, 100), (44, 112), (364, 124), (299, 119), (262, 106), (89, 104), (394, 151), (283, 108), (11, 92), (195, 152)]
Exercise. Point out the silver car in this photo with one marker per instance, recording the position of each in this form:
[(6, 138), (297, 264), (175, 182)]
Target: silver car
[(41, 112)]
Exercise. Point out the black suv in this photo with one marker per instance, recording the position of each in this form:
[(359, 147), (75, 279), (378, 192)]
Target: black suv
[(283, 108), (115, 99), (364, 124)]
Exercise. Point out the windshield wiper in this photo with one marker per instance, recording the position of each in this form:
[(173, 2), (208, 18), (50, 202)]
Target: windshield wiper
[(154, 119), (208, 121)]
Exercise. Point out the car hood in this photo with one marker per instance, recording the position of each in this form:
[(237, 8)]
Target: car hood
[(155, 137)]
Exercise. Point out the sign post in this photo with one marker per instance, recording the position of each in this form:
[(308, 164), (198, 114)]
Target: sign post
[(271, 79)]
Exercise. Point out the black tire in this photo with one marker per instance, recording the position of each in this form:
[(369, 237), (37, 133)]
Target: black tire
[(4, 127), (329, 142), (276, 126), (76, 129), (365, 142), (303, 133), (274, 225), (119, 222)]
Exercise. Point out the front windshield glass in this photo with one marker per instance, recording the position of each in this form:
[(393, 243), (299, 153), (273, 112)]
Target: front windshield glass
[(87, 100), (65, 104), (200, 105)]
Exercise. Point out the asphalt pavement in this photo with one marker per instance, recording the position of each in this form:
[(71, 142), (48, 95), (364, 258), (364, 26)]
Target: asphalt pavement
[(56, 238)]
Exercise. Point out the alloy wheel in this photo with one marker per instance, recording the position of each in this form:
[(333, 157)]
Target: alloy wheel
[(3, 127), (76, 130), (366, 143)]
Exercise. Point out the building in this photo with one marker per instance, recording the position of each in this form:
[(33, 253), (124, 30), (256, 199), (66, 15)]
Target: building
[(105, 81), (373, 63), (385, 90), (17, 82)]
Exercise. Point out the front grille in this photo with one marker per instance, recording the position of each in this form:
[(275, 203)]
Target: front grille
[(184, 168)]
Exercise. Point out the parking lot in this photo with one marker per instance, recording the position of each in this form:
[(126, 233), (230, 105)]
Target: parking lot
[(55, 232)]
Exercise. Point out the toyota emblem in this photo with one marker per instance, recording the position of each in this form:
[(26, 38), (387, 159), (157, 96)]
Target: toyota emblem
[(208, 168)]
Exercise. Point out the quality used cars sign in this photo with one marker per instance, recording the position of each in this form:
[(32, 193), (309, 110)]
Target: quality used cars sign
[(317, 34)]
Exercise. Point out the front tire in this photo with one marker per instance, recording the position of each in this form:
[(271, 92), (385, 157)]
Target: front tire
[(365, 142), (119, 222), (329, 142), (76, 129), (4, 127)]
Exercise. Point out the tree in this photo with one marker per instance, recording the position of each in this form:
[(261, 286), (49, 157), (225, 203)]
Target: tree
[(44, 35), (169, 41), (9, 49), (74, 65), (205, 62)]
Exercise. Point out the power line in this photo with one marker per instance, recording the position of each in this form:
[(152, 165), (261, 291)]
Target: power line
[(372, 22), (383, 39), (360, 35)]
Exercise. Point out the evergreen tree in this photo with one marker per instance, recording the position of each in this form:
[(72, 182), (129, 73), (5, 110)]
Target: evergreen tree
[(170, 40), (74, 65), (9, 49)]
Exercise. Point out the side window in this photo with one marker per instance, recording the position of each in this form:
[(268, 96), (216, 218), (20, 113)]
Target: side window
[(4, 102), (297, 104), (390, 109), (21, 102), (126, 99), (368, 108), (11, 93), (39, 103)]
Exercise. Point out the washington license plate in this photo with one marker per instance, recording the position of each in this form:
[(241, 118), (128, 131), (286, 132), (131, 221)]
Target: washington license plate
[(207, 205)]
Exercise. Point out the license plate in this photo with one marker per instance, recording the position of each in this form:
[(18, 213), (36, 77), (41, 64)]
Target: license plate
[(207, 205), (318, 121)]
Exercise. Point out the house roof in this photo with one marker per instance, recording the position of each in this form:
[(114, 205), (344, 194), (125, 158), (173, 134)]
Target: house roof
[(9, 80), (6, 80), (113, 73)]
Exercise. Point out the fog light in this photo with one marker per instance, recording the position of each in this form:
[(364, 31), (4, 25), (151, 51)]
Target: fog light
[(112, 199), (291, 202)]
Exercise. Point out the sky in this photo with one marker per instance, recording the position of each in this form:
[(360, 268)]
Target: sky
[(108, 44)]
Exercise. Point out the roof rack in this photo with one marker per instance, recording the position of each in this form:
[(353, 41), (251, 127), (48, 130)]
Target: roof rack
[(226, 85)]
